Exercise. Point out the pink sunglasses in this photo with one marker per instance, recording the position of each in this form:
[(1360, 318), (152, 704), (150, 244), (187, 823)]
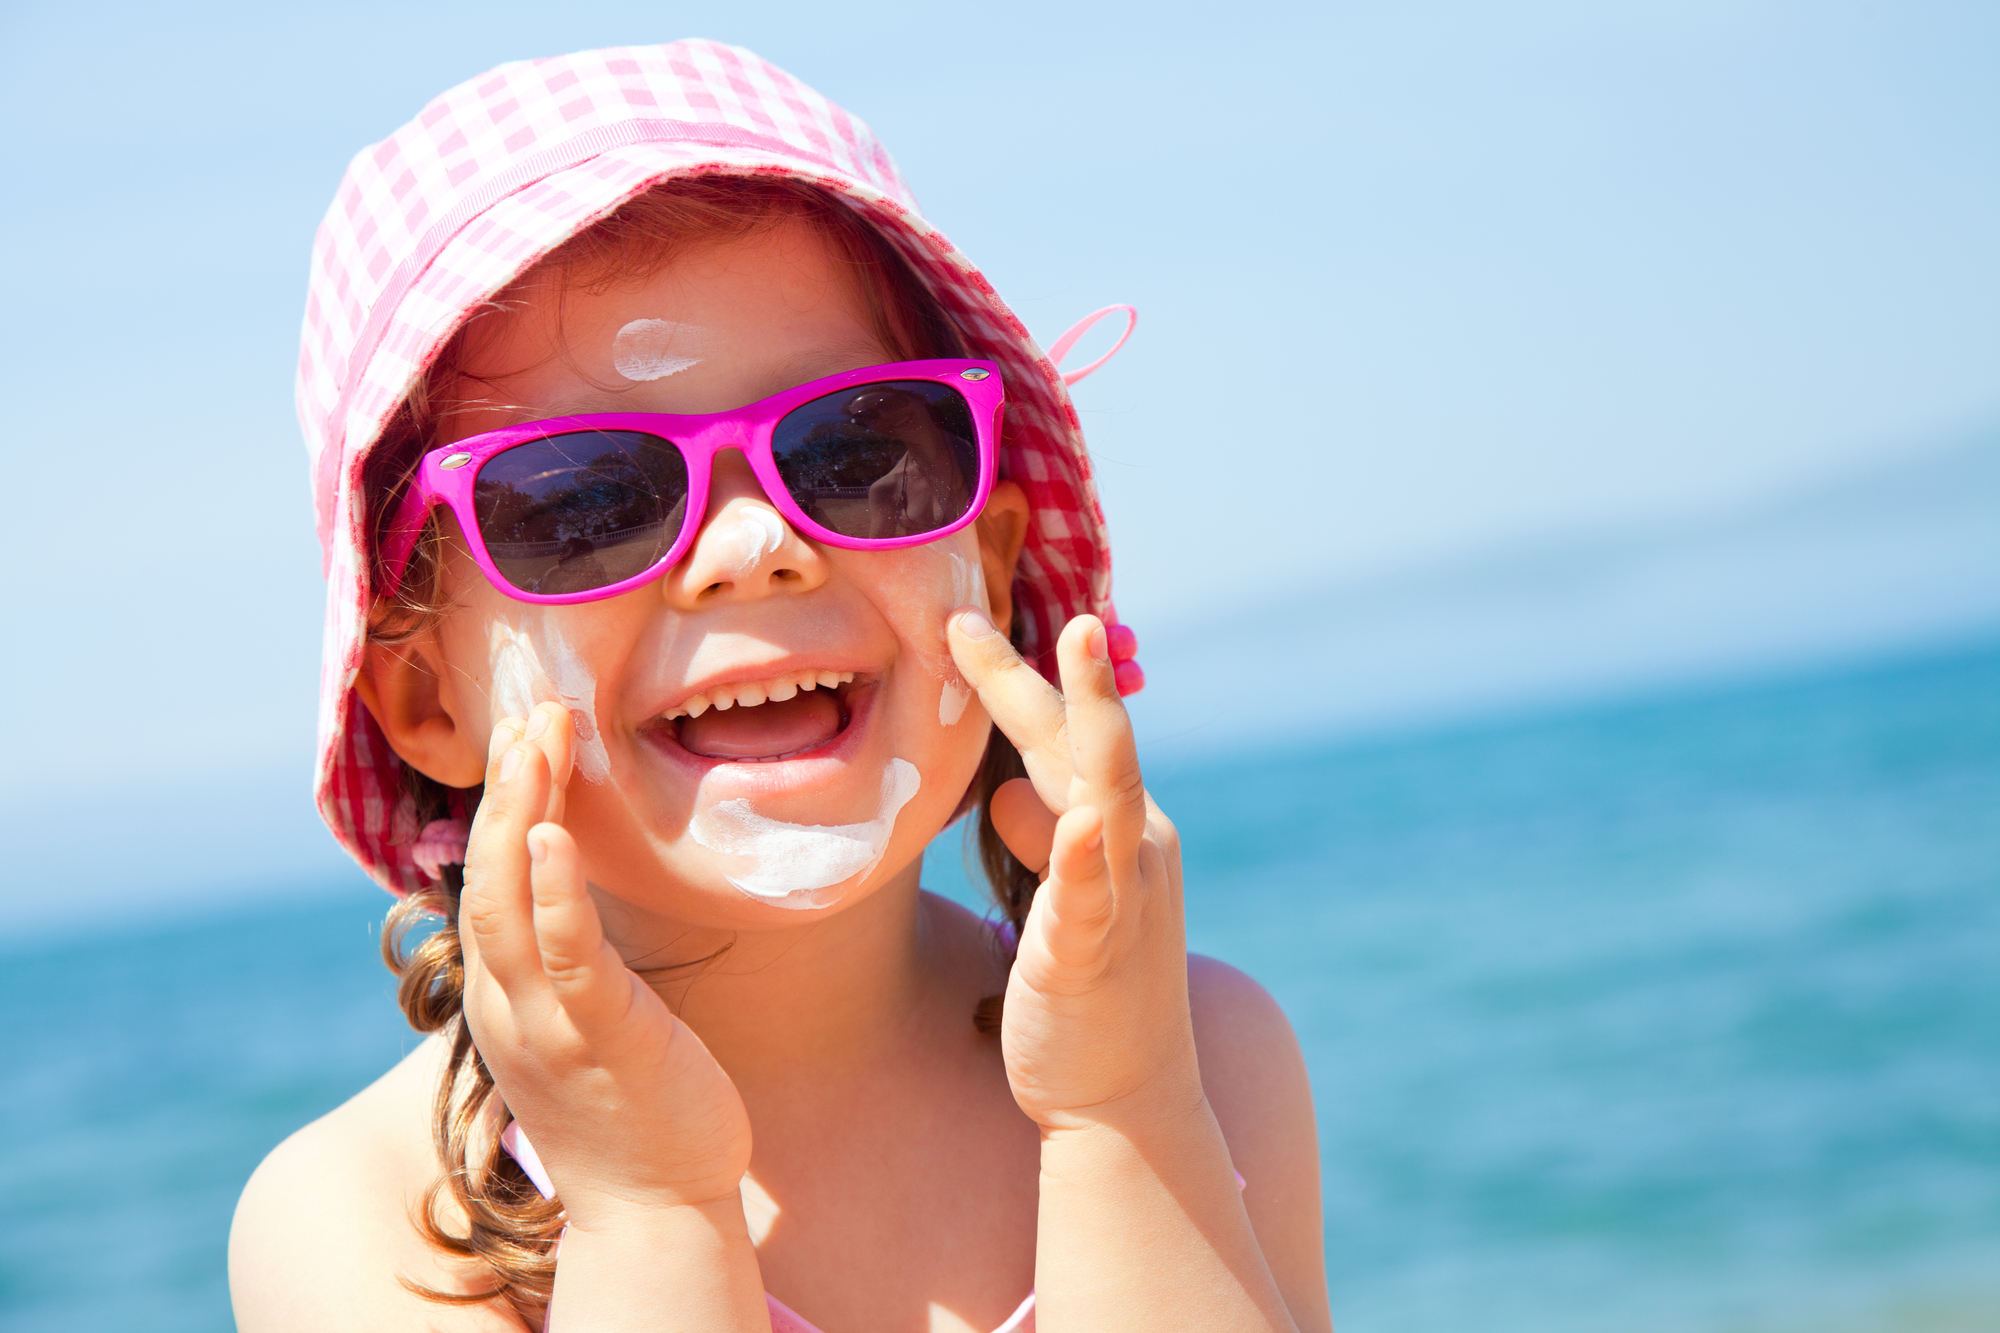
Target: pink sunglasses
[(574, 509)]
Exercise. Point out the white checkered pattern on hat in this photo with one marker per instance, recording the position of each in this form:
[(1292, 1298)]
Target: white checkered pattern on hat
[(500, 170)]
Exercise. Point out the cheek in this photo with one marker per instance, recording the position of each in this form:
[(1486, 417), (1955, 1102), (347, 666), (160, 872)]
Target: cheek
[(919, 588), (487, 668), (513, 671), (508, 657), (968, 578), (571, 683), (968, 585)]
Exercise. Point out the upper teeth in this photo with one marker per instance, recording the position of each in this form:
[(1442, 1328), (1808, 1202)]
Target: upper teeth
[(749, 693)]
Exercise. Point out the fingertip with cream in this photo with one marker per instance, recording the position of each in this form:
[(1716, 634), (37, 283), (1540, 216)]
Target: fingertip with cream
[(974, 623)]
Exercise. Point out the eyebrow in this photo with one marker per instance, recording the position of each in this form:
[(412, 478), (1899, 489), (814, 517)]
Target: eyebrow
[(832, 360)]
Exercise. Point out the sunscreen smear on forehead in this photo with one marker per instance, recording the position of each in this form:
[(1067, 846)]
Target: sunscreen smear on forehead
[(652, 349)]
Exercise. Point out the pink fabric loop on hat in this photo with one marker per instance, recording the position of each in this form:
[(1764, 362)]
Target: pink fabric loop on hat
[(441, 844), (1085, 325)]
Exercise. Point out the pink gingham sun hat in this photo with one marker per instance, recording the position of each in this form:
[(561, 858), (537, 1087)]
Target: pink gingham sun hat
[(493, 175)]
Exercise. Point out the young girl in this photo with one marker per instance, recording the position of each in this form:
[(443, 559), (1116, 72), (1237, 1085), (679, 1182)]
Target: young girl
[(704, 535)]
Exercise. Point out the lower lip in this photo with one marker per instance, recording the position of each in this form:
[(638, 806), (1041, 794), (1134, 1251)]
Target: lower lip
[(820, 766)]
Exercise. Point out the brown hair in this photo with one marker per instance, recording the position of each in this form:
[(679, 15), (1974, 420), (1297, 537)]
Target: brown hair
[(509, 1240)]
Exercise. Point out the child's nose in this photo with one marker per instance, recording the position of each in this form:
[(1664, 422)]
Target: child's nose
[(745, 548)]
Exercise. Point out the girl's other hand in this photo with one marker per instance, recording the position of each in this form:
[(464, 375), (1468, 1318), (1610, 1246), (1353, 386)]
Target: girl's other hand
[(623, 1103), (1096, 1026)]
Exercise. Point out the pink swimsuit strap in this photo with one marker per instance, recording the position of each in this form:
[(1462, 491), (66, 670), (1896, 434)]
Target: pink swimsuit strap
[(786, 1320)]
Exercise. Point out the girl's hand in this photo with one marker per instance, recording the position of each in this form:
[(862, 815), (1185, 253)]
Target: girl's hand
[(624, 1105), (1096, 1024)]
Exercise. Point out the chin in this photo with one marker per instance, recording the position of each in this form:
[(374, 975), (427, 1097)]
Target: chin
[(793, 807)]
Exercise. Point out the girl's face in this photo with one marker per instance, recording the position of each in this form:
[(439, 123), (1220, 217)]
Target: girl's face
[(774, 726)]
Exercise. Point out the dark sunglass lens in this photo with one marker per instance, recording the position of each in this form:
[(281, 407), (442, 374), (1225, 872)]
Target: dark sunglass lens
[(581, 510), (897, 459)]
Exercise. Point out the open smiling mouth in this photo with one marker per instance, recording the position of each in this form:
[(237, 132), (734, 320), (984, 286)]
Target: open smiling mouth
[(762, 721)]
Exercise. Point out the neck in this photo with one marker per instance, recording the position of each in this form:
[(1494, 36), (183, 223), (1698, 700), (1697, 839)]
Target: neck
[(810, 1001)]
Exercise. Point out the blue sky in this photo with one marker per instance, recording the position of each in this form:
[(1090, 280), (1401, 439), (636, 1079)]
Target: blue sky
[(1416, 281)]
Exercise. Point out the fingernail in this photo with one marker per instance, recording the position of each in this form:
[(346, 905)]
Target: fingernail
[(510, 764), (975, 624), (538, 846), (1100, 646), (538, 722)]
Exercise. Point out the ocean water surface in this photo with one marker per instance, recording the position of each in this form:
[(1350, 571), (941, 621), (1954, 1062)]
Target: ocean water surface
[(1680, 1016)]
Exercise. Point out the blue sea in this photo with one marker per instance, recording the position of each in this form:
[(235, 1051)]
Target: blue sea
[(1675, 1016)]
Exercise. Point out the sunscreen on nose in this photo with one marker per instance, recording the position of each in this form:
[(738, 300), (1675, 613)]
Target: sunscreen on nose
[(759, 532)]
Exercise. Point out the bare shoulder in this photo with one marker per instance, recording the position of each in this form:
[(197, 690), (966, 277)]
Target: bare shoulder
[(323, 1230), (1255, 1078), (1251, 1065)]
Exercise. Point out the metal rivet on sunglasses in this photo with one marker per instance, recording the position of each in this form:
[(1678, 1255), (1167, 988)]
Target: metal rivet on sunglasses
[(974, 374), (455, 460)]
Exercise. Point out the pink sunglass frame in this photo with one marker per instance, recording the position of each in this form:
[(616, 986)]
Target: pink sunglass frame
[(443, 478)]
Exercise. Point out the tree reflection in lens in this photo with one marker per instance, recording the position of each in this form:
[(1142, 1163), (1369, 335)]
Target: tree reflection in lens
[(924, 491), (884, 460), (580, 510)]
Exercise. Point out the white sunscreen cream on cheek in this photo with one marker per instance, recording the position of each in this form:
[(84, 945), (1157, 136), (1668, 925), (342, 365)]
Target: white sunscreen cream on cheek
[(968, 584), (952, 699), (652, 349), (537, 664), (515, 670), (793, 865), (576, 689)]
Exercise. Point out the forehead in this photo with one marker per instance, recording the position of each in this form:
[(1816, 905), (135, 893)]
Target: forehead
[(715, 325)]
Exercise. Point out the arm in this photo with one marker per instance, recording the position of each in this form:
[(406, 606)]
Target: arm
[(1141, 1225), (1202, 1266), (650, 1268), (1255, 1078), (1142, 1229)]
